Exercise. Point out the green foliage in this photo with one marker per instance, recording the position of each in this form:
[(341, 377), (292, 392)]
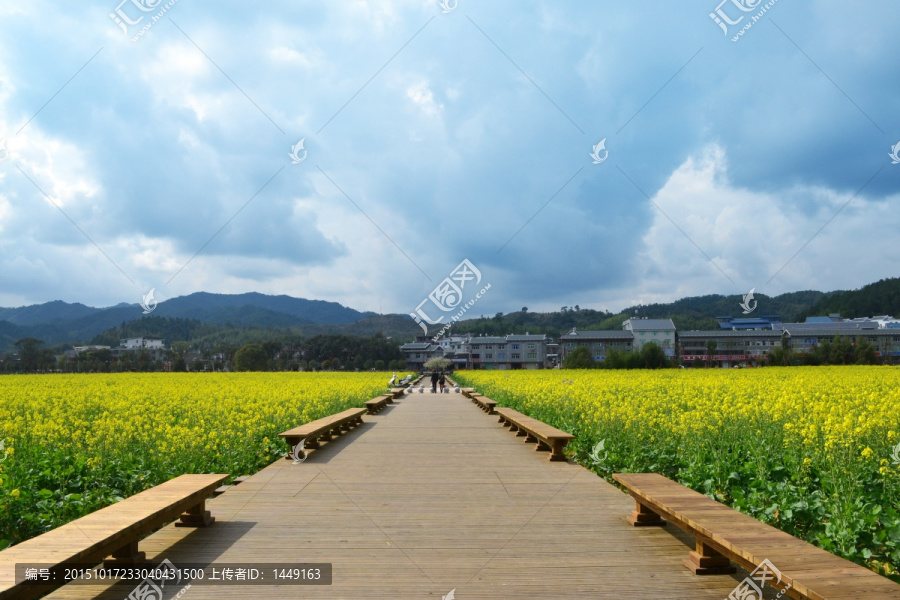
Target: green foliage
[(579, 358), (251, 357), (879, 298)]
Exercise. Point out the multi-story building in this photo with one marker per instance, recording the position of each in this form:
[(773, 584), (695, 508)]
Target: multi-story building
[(140, 342), (726, 347), (803, 341), (599, 342), (418, 353), (509, 352), (659, 331)]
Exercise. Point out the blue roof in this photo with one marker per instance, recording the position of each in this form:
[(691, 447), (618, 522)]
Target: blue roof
[(819, 320)]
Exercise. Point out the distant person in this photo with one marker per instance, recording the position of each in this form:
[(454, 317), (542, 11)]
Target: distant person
[(443, 381), (434, 381)]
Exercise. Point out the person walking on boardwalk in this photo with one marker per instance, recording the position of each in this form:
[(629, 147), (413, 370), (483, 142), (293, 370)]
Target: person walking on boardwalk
[(434, 381), (442, 380)]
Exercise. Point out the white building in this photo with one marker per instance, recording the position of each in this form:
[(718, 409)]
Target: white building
[(138, 343), (660, 331)]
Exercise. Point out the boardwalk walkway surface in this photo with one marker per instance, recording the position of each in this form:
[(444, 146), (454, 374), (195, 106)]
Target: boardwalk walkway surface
[(428, 496)]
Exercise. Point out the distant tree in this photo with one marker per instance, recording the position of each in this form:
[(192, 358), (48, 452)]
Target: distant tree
[(394, 365), (653, 357), (313, 365), (524, 309), (251, 357), (29, 352), (379, 365), (579, 358), (179, 365), (864, 353), (438, 363), (711, 348), (370, 364)]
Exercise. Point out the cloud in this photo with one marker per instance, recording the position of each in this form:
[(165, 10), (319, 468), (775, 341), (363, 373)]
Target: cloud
[(434, 138)]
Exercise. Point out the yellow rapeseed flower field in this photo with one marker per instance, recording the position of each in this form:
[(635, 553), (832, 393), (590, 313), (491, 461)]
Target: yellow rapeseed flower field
[(75, 443), (811, 450)]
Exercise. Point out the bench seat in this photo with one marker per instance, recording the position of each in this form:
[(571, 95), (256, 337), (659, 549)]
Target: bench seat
[(323, 429), (723, 534), (484, 403), (112, 532), (547, 437), (377, 404)]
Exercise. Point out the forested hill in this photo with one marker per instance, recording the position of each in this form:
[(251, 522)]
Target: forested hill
[(879, 298), (688, 314)]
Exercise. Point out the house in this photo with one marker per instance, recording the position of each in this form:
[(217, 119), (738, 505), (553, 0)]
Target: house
[(418, 353), (140, 342), (601, 343), (730, 347), (660, 331), (510, 352)]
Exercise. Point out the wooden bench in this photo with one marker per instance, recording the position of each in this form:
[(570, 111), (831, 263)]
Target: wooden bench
[(323, 429), (547, 437), (111, 533), (377, 404), (484, 403), (467, 392), (723, 535), (397, 393)]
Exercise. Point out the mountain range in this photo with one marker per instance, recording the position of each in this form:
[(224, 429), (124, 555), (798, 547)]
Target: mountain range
[(59, 322), (254, 316)]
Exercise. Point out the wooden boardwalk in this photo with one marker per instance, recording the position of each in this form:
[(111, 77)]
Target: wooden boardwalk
[(430, 495)]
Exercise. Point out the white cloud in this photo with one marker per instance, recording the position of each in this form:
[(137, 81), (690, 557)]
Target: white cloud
[(421, 95)]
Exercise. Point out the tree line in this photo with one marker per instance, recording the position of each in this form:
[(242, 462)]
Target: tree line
[(289, 353)]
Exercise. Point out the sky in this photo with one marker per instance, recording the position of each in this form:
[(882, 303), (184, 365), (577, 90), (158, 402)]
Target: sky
[(585, 152)]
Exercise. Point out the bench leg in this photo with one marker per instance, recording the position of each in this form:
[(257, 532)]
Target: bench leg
[(530, 439), (706, 561), (371, 410), (311, 443), (291, 442), (126, 556), (196, 516), (541, 446), (642, 516), (556, 452)]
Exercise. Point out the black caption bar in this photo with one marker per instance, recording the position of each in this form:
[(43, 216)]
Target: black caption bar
[(169, 575)]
